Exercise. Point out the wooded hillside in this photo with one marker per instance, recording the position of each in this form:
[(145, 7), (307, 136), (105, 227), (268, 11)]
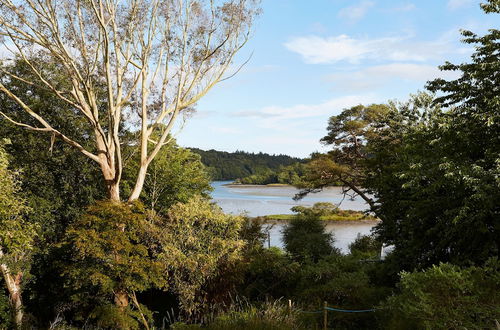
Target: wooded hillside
[(224, 165)]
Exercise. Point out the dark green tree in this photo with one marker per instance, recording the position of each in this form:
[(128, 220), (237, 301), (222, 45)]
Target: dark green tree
[(306, 239), (345, 164), (109, 258), (435, 172)]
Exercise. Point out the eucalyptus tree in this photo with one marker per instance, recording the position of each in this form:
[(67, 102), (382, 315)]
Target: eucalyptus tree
[(154, 60)]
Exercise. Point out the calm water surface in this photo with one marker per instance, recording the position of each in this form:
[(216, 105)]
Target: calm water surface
[(264, 200)]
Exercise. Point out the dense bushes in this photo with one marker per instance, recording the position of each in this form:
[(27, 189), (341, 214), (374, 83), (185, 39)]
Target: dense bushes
[(447, 297)]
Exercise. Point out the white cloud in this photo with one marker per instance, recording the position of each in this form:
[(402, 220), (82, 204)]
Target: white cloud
[(300, 111), (324, 50), (381, 75), (356, 12), (457, 4)]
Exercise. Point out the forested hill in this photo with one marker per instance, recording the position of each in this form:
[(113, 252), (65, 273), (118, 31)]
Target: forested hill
[(233, 165)]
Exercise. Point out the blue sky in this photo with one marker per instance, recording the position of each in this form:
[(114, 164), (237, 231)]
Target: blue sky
[(313, 58)]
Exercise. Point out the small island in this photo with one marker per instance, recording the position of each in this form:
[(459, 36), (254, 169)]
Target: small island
[(324, 212)]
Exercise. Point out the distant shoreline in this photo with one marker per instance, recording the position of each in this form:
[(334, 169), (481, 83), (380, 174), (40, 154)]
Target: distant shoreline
[(232, 184), (270, 220)]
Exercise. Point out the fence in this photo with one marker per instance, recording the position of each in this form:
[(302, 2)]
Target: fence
[(327, 309)]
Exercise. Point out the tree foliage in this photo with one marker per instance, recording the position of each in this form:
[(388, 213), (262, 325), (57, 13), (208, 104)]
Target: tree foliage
[(238, 165), (142, 63), (447, 297), (198, 241), (345, 164), (176, 175), (305, 238), (110, 254), (435, 171), (17, 236)]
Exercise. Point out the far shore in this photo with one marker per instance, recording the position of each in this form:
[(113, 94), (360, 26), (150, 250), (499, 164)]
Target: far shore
[(285, 218), (244, 185), (233, 184)]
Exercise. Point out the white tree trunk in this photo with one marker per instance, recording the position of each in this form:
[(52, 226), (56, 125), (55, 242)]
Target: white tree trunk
[(14, 287)]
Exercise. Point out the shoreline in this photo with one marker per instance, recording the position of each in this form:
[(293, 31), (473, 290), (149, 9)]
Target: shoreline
[(239, 185), (343, 222), (269, 185)]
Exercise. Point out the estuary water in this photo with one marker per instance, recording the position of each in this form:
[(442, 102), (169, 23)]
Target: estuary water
[(265, 200)]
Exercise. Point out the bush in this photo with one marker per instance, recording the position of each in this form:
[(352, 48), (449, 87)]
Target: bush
[(199, 243), (305, 238), (270, 274), (448, 297), (344, 283), (365, 246)]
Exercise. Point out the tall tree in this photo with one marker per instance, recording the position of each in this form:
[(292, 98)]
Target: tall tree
[(436, 172), (155, 59), (348, 134)]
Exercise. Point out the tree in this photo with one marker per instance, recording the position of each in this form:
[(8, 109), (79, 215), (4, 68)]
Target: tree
[(435, 172), (176, 175), (16, 237), (197, 241), (305, 238), (110, 255), (345, 165), (153, 59)]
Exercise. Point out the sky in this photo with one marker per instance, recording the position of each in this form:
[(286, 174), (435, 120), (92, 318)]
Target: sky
[(311, 59)]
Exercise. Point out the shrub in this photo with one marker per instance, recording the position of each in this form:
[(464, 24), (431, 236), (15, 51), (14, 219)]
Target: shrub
[(365, 246), (305, 238), (448, 297)]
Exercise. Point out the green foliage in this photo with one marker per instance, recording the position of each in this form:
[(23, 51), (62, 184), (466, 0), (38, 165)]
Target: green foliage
[(305, 238), (244, 315), (345, 165), (270, 274), (329, 212), (16, 232), (198, 240), (175, 175), (447, 297), (435, 175), (236, 165), (290, 174), (266, 316), (436, 172), (109, 254), (344, 282), (366, 246), (5, 309)]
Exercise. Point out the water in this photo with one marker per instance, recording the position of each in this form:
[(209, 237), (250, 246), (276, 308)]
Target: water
[(343, 233), (265, 200)]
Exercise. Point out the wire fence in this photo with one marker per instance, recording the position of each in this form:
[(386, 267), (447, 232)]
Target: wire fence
[(327, 309)]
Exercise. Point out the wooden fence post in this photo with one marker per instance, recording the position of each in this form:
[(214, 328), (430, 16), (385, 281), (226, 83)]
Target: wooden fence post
[(325, 316)]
